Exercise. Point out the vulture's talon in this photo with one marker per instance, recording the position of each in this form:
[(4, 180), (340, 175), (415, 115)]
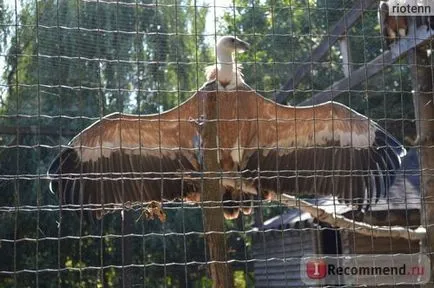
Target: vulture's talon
[(153, 211), (199, 122)]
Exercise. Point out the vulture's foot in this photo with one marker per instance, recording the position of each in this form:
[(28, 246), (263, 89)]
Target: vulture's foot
[(154, 211)]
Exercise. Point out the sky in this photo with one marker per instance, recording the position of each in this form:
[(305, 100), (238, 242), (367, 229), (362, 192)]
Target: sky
[(217, 9)]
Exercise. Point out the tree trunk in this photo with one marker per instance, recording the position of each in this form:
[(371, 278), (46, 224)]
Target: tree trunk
[(422, 79), (220, 270)]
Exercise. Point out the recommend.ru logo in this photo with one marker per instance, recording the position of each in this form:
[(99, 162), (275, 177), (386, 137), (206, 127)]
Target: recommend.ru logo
[(366, 269)]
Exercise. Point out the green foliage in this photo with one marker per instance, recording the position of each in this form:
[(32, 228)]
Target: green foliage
[(5, 18), (71, 62), (283, 34)]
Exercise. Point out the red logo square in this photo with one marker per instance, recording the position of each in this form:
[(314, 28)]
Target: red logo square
[(316, 269)]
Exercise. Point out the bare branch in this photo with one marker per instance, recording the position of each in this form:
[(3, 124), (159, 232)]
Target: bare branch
[(345, 223)]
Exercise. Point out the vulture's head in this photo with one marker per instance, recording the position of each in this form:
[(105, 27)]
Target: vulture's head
[(226, 71), (230, 44)]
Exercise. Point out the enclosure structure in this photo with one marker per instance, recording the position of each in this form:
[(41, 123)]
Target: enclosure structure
[(286, 239), (70, 63), (402, 209), (282, 241)]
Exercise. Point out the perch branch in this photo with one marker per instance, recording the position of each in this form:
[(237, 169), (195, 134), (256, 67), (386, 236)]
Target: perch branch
[(343, 222)]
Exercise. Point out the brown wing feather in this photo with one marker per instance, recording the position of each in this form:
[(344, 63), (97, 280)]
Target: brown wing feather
[(322, 150), (132, 158)]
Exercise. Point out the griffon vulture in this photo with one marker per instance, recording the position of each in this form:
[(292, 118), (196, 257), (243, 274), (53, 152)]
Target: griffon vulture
[(265, 147), (392, 27)]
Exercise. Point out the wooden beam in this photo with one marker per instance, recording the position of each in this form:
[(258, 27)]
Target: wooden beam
[(344, 47), (221, 271), (422, 80), (318, 53), (419, 37)]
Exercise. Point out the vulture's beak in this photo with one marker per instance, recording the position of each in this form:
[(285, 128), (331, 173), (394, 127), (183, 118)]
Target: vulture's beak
[(241, 45)]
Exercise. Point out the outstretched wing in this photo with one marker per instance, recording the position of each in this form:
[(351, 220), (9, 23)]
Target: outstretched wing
[(323, 150), (131, 158)]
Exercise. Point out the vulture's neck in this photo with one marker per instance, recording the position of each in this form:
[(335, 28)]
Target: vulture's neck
[(225, 67), (229, 74)]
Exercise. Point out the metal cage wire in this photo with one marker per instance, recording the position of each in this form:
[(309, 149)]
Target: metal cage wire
[(69, 64)]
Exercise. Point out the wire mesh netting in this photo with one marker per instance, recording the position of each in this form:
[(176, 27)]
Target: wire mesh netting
[(124, 164)]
